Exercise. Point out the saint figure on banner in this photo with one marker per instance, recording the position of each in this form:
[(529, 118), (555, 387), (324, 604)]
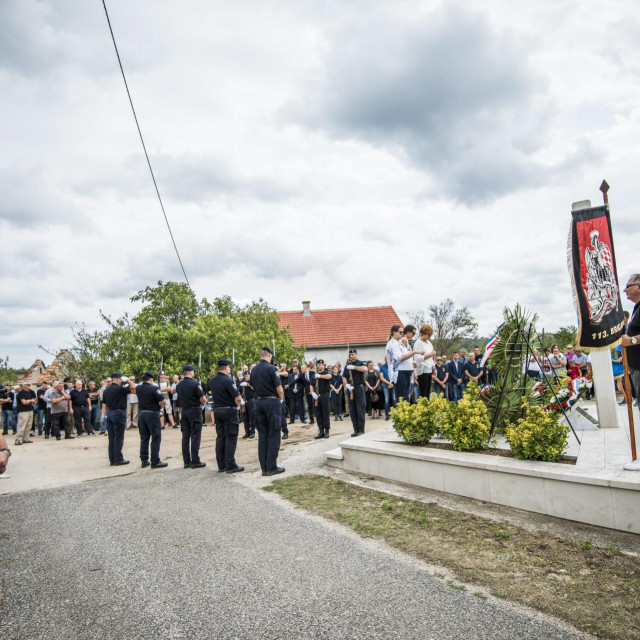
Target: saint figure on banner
[(601, 288)]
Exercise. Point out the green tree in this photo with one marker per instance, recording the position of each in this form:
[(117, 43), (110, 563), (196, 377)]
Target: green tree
[(8, 375), (450, 324), (173, 327), (562, 337)]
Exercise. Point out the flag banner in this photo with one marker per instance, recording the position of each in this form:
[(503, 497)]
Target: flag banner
[(491, 343), (594, 279)]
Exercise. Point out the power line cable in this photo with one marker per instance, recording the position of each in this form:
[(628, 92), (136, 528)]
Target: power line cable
[(155, 184)]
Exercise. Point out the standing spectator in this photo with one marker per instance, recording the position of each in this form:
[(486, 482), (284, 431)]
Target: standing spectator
[(42, 407), (477, 354), (533, 366), (94, 396), (47, 419), (6, 402), (26, 400), (9, 411), (441, 379), (372, 383), (473, 371), (308, 379), (133, 409), (632, 343), (176, 405), (387, 389), (336, 392), (581, 360), (569, 353), (557, 361), (296, 397), (400, 359), (103, 414), (457, 377), (81, 407), (424, 370), (60, 411), (166, 412), (462, 355)]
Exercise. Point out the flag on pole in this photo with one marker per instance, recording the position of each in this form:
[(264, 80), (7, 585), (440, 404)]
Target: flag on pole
[(491, 343)]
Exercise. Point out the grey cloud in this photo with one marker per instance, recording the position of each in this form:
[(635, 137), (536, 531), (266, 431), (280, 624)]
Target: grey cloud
[(450, 93)]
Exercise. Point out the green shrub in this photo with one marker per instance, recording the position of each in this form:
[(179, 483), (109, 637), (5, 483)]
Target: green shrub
[(466, 423), (537, 436), (418, 423)]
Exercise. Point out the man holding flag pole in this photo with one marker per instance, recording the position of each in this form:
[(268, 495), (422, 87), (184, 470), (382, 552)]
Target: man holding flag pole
[(631, 360)]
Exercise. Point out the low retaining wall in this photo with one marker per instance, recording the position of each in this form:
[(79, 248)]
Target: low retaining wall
[(604, 497)]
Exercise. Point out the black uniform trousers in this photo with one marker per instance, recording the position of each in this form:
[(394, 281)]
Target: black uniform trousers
[(60, 420), (296, 407), (337, 403), (150, 429), (116, 423), (81, 415), (227, 426), (357, 408), (191, 426), (310, 406), (283, 411), (250, 417), (323, 412), (269, 421), (47, 422)]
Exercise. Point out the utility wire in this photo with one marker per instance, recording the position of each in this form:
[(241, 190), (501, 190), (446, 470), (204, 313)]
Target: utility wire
[(144, 146)]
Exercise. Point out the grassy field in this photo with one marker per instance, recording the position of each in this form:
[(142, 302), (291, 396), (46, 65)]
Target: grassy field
[(594, 589)]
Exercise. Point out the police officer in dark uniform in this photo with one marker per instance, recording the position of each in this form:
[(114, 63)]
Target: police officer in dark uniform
[(226, 400), (268, 387), (191, 398), (353, 380), (321, 388), (249, 398), (114, 405), (150, 400)]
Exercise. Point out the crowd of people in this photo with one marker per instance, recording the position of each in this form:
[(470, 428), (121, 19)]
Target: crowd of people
[(311, 392)]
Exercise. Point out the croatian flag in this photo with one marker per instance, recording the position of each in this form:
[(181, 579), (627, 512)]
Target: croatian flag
[(491, 343)]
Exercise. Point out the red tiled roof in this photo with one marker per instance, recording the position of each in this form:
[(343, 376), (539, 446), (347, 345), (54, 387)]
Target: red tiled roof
[(324, 327)]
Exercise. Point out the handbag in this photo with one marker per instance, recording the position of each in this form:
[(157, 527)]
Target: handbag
[(375, 396)]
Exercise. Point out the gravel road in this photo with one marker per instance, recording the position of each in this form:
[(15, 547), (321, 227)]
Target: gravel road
[(199, 555)]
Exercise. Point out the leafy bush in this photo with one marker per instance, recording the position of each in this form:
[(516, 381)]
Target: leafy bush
[(466, 423), (418, 423), (537, 436)]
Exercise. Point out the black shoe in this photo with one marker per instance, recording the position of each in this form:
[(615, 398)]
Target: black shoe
[(245, 436), (285, 436), (222, 470), (354, 434), (320, 435), (198, 465), (326, 433), (292, 421), (162, 428), (159, 465), (360, 433), (253, 435), (312, 421), (69, 437), (387, 418), (145, 463), (91, 433), (58, 438), (304, 422), (187, 466), (275, 472), (235, 469), (264, 473), (46, 437), (121, 463), (175, 426)]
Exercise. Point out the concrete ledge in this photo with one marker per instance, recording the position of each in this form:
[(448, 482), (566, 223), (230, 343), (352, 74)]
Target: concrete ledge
[(599, 496)]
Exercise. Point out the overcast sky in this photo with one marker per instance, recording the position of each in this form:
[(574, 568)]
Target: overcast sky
[(350, 153)]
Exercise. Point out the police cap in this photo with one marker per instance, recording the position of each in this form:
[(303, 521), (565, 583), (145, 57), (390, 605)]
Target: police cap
[(187, 367), (267, 350), (147, 375), (116, 375), (223, 363), (320, 361)]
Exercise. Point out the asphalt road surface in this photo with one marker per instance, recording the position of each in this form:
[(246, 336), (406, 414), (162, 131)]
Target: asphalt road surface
[(197, 555)]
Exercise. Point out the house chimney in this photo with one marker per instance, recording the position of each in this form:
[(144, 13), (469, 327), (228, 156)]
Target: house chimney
[(306, 307)]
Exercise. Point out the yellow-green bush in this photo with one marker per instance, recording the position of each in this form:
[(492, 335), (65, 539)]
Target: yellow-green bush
[(537, 436), (466, 423), (418, 423)]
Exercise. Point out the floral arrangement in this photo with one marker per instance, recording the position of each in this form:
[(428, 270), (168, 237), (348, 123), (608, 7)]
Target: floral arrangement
[(567, 392)]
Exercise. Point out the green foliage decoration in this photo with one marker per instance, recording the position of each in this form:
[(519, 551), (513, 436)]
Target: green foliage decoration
[(466, 422), (538, 436), (417, 423)]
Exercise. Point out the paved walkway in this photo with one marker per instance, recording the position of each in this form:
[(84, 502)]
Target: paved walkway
[(199, 555)]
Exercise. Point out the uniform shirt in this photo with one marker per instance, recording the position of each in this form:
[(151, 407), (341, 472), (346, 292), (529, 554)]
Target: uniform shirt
[(265, 380), (223, 391), (115, 396), (189, 393), (25, 394), (322, 384), (473, 368), (441, 372), (149, 397), (633, 329), (358, 376), (79, 399), (336, 381)]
